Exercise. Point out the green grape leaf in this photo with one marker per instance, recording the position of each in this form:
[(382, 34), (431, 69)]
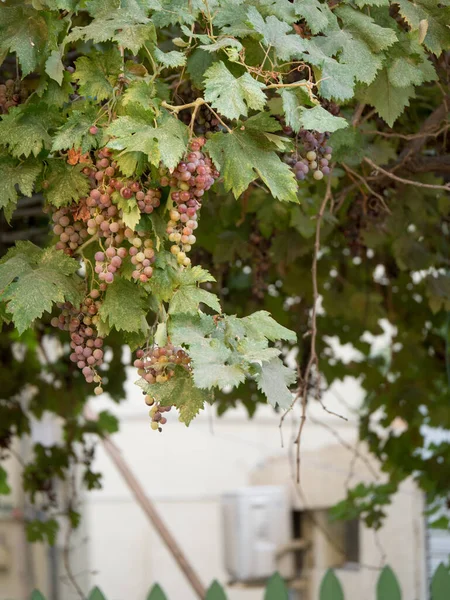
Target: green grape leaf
[(131, 30), (230, 95), (224, 42), (97, 73), (437, 17), (409, 64), (54, 66), (66, 183), (140, 92), (24, 130), (14, 177), (169, 59), (19, 25), (165, 143), (317, 118), (180, 391), (164, 279), (275, 35), (187, 329), (210, 365), (244, 155), (124, 306), (261, 325), (362, 26), (273, 382), (316, 14), (32, 280), (389, 101), (186, 299), (75, 131), (195, 274)]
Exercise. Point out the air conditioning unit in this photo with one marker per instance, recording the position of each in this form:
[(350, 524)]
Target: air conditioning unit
[(256, 525)]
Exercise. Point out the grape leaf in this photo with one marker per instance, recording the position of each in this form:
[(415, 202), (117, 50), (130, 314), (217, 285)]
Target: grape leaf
[(130, 29), (362, 26), (19, 26), (273, 382), (437, 38), (244, 155), (210, 368), (389, 101), (97, 73), (164, 278), (275, 35), (75, 131), (316, 14), (34, 280), (195, 274), (188, 329), (180, 391), (54, 66), (336, 80), (16, 176), (169, 59), (186, 299), (66, 183), (317, 118), (24, 130), (124, 306), (140, 92), (165, 143), (261, 325), (230, 95), (224, 42), (409, 64)]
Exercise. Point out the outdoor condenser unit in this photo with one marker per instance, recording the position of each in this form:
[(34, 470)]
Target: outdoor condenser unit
[(256, 524)]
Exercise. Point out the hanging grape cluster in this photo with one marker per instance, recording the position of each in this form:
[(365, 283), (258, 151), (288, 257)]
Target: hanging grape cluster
[(157, 365), (99, 214), (12, 93), (84, 339), (313, 155), (189, 181), (205, 122)]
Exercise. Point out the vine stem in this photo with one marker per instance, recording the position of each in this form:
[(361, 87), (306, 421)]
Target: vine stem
[(89, 241), (195, 105), (313, 358), (406, 181)]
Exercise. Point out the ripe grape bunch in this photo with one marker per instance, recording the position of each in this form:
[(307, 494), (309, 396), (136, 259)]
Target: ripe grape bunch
[(314, 156), (101, 214), (189, 181), (84, 339), (157, 365)]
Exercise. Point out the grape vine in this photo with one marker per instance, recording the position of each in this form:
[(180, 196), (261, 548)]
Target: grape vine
[(290, 134)]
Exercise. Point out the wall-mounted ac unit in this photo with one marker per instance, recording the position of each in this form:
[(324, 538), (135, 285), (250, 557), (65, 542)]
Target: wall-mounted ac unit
[(256, 523)]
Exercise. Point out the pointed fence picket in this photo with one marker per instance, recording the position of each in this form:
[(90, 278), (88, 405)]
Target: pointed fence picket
[(387, 588)]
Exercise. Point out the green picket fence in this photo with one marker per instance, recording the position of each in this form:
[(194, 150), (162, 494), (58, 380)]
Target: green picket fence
[(388, 588)]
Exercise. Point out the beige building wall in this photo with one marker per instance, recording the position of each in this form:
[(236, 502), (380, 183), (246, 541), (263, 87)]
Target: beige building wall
[(186, 470)]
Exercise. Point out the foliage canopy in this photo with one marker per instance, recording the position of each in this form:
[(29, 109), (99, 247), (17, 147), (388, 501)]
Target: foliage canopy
[(144, 85)]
